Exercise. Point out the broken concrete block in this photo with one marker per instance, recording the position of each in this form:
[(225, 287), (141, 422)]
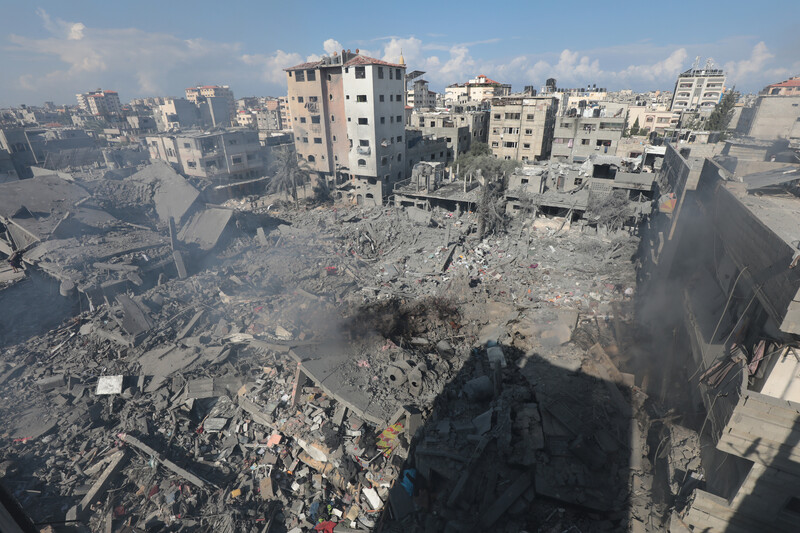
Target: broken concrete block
[(495, 355), (51, 382), (372, 497), (109, 385), (479, 389)]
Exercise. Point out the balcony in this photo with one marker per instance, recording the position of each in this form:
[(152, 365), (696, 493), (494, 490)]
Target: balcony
[(363, 150)]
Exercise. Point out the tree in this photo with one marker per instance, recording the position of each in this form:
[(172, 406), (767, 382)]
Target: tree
[(491, 208), (479, 157), (719, 119), (635, 127), (289, 174)]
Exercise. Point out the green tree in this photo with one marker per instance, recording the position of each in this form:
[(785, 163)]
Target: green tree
[(635, 127), (479, 157), (719, 119), (289, 174)]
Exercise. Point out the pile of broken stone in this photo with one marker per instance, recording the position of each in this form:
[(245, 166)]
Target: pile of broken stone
[(340, 368)]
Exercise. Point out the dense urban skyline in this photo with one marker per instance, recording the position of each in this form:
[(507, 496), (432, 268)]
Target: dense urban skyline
[(53, 51)]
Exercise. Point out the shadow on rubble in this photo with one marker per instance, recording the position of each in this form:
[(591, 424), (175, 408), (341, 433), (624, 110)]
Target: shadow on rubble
[(32, 307), (517, 443)]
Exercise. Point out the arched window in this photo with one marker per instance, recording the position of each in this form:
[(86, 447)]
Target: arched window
[(362, 162), (311, 159)]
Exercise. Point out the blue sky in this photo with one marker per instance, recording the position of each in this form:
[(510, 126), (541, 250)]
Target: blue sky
[(51, 50)]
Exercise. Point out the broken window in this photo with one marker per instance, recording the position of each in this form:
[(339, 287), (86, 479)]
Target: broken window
[(363, 142), (361, 73), (191, 164), (361, 98)]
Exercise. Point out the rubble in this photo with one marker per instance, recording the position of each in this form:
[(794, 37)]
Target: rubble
[(346, 366)]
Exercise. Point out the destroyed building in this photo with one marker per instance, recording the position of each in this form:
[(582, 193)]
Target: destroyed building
[(722, 277)]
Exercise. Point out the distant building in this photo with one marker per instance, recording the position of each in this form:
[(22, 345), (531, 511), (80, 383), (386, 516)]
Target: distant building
[(790, 87), (176, 114), (348, 121), (477, 89), (521, 128), (100, 102), (698, 89), (420, 96), (286, 113), (269, 117), (221, 155), (197, 94), (588, 131), (424, 148), (651, 119), (460, 130)]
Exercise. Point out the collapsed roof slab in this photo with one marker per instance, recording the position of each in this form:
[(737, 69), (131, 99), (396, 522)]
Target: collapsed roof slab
[(205, 227)]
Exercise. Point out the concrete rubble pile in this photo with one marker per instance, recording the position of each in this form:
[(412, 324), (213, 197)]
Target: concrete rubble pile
[(340, 367)]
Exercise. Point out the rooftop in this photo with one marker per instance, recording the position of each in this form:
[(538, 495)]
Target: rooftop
[(791, 82)]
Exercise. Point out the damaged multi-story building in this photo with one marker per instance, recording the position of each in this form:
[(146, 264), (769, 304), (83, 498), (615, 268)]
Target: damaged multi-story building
[(348, 121), (722, 286), (587, 130), (521, 127)]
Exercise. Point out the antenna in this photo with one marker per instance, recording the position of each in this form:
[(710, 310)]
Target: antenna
[(709, 63), (696, 63)]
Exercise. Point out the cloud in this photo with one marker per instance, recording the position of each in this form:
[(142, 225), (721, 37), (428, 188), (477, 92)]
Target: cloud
[(332, 46), (270, 67), (61, 28)]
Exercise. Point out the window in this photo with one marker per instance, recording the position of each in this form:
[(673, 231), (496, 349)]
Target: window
[(191, 164), (380, 73), (363, 121), (361, 73), (333, 119), (585, 142), (399, 138), (529, 117), (312, 98), (578, 181), (526, 145), (397, 72), (305, 140), (311, 75), (391, 120), (300, 99), (449, 139), (384, 161), (528, 132), (311, 159), (399, 118), (361, 98), (495, 144), (334, 138), (362, 162), (399, 157), (347, 97), (390, 74), (363, 142), (236, 160), (299, 76), (509, 144), (329, 77), (497, 116), (317, 140), (302, 120), (330, 96), (512, 116), (441, 154), (383, 120), (315, 119), (381, 98), (399, 98), (186, 145), (391, 98)]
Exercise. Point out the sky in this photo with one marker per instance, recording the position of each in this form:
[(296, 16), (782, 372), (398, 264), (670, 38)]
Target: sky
[(51, 50)]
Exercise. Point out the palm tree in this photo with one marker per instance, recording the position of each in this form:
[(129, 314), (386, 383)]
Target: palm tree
[(289, 174)]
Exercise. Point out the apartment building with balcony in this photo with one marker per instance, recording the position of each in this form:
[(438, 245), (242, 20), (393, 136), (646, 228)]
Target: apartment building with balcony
[(698, 89), (347, 115), (587, 131), (521, 127), (198, 94), (100, 102)]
